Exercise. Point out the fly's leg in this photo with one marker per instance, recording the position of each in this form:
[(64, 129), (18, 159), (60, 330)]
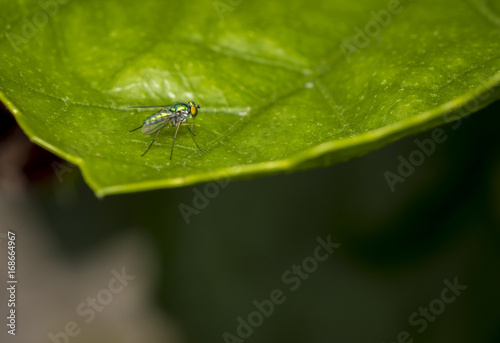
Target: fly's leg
[(176, 130), (192, 128), (192, 134), (140, 127), (151, 143)]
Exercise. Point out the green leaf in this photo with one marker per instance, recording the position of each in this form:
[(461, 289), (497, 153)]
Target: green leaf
[(283, 86)]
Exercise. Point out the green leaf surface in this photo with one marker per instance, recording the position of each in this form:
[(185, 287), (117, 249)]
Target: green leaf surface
[(283, 86)]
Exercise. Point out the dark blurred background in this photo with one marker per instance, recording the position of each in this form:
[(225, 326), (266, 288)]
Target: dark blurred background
[(192, 281)]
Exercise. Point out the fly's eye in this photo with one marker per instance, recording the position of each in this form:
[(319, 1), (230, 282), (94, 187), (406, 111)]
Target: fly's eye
[(194, 111)]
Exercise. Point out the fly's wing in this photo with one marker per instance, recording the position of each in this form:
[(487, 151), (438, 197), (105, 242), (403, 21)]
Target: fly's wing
[(156, 122), (153, 127)]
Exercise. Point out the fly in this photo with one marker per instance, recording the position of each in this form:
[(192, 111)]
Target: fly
[(175, 115)]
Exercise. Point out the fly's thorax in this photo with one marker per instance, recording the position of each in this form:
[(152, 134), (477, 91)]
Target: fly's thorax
[(180, 107), (190, 109)]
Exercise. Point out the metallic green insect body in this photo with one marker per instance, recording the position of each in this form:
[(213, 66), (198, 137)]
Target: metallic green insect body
[(175, 115)]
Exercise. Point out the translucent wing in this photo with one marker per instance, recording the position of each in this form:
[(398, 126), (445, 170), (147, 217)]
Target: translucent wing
[(151, 128), (157, 121)]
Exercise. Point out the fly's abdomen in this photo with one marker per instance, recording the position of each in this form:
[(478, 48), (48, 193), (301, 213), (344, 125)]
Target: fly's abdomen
[(155, 122)]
